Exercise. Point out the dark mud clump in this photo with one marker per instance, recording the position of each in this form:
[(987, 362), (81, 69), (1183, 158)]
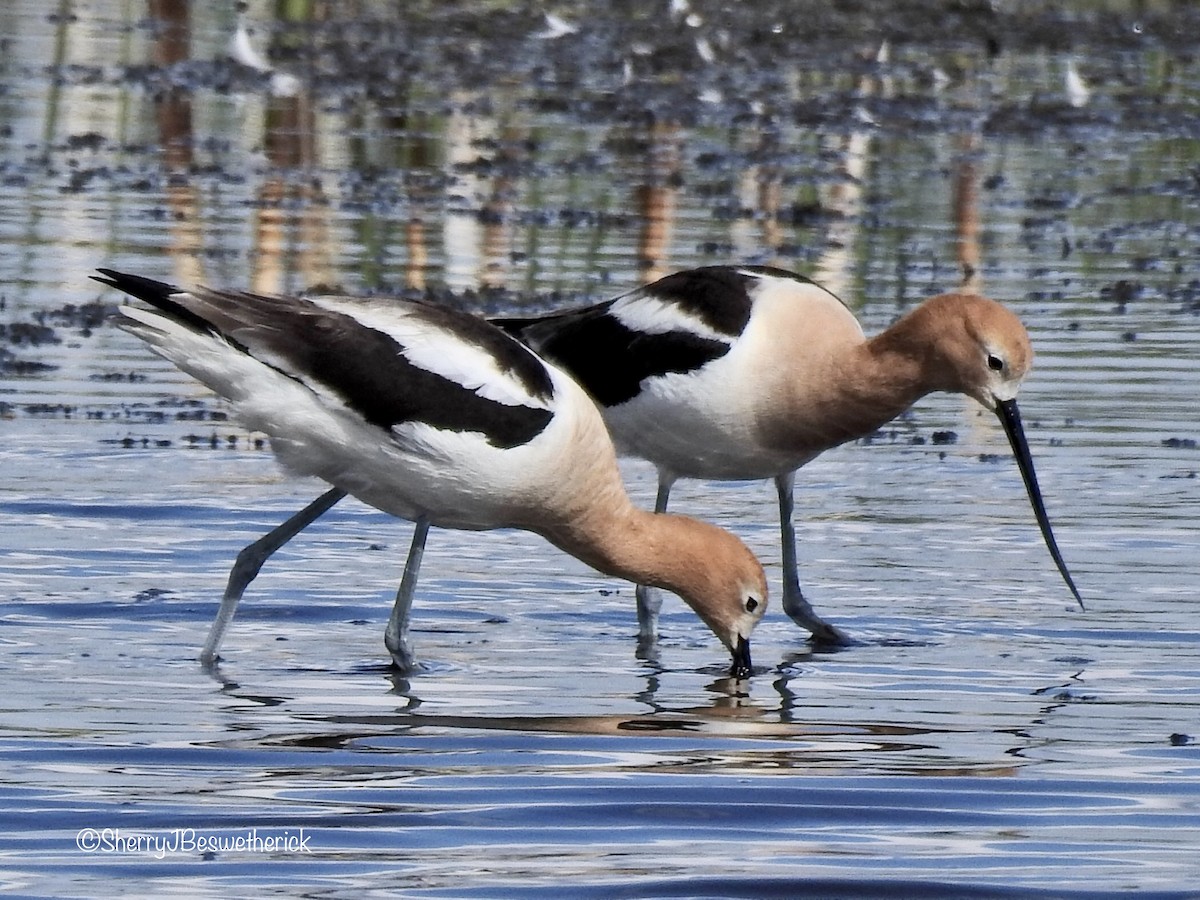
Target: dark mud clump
[(44, 329), (11, 364)]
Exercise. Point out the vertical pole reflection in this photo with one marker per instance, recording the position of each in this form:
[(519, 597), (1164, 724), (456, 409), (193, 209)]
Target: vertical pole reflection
[(655, 199), (293, 220), (173, 106), (965, 202), (482, 149), (842, 196), (173, 116)]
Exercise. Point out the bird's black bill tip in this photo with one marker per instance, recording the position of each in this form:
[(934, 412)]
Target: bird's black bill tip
[(1010, 418), (742, 667)]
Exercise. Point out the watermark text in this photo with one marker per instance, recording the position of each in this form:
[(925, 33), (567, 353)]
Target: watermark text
[(116, 841)]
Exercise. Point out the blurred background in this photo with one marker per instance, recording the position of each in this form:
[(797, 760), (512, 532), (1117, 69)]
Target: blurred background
[(984, 738), (886, 148)]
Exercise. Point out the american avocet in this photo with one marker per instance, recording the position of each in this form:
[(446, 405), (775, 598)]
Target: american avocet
[(435, 416), (750, 372)]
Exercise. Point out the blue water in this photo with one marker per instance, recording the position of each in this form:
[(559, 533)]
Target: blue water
[(982, 738)]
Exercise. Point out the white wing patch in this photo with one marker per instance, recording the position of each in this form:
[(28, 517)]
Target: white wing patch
[(431, 348), (650, 314)]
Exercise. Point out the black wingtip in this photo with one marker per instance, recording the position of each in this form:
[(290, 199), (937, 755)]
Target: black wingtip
[(156, 293)]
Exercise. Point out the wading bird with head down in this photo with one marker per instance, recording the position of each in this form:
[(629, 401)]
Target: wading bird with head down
[(438, 417), (748, 372)]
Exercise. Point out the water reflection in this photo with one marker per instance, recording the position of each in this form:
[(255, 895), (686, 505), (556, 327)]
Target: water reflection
[(655, 198), (841, 197), (469, 201), (292, 227), (775, 723), (966, 213), (423, 148), (483, 154), (173, 113)]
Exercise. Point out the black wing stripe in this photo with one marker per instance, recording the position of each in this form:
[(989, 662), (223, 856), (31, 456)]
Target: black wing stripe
[(611, 360), (716, 295), (367, 370)]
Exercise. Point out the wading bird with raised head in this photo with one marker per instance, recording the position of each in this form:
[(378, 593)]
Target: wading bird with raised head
[(435, 416), (748, 372)]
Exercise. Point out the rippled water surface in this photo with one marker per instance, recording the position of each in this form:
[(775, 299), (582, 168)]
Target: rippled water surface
[(983, 736)]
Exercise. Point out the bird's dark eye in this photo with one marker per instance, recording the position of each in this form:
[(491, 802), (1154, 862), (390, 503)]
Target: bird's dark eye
[(995, 363), (751, 604)]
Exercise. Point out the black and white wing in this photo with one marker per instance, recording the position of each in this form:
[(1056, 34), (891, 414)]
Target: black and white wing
[(393, 363), (678, 324)]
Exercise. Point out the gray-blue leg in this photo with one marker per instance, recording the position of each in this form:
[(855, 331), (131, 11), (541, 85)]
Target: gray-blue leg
[(395, 636), (794, 603), (251, 559), (649, 601)]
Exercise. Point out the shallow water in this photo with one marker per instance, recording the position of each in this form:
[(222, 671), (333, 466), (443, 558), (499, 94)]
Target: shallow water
[(983, 737)]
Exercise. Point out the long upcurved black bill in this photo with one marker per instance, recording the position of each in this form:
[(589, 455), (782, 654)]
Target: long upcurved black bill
[(1010, 418), (741, 668)]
